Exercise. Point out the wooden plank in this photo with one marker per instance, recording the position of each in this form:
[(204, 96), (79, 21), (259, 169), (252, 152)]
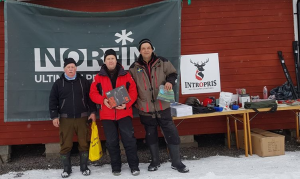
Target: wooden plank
[(255, 58), (262, 76), (27, 128), (25, 135), (236, 39), (234, 6), (236, 12), (203, 131), (20, 141), (236, 33), (252, 3), (202, 125), (236, 51), (235, 46), (275, 126), (190, 22), (235, 27)]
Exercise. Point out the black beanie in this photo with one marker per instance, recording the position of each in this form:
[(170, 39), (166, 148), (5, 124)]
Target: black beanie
[(109, 52), (68, 61), (145, 41)]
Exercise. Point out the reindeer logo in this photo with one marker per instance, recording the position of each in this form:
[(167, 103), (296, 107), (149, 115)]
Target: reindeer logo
[(199, 75)]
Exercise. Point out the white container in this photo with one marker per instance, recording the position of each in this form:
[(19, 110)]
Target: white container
[(179, 110), (265, 93), (243, 100)]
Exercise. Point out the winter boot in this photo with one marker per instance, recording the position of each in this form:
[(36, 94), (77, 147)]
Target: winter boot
[(84, 156), (135, 171), (175, 158), (154, 150), (66, 160), (115, 159), (116, 172)]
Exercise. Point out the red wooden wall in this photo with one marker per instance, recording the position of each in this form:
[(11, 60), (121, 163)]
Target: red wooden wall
[(246, 34)]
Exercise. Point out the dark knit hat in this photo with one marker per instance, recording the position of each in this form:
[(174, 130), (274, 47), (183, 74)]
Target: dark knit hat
[(145, 41), (109, 52), (68, 61)]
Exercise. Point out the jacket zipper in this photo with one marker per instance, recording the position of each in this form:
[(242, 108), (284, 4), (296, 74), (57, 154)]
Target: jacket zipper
[(73, 99), (152, 91), (144, 82), (155, 78), (113, 88), (83, 103), (82, 94), (63, 103)]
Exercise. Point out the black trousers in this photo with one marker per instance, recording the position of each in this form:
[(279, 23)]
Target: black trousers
[(112, 129), (165, 121)]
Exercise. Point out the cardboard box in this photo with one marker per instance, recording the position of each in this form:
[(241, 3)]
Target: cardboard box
[(118, 96), (264, 143), (179, 110), (241, 139)]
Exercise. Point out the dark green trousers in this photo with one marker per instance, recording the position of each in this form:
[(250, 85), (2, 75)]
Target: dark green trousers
[(67, 128)]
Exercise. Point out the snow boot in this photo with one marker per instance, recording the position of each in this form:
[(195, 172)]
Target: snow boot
[(154, 150), (175, 158), (135, 171), (66, 160), (84, 157), (116, 172)]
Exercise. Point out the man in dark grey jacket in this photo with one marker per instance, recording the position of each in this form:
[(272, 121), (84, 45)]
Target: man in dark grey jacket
[(149, 72), (70, 108)]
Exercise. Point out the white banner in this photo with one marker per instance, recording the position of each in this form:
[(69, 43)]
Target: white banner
[(200, 73)]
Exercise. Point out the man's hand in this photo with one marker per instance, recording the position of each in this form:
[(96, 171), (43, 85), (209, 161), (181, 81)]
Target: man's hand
[(106, 103), (123, 106), (168, 86), (55, 122), (93, 117)]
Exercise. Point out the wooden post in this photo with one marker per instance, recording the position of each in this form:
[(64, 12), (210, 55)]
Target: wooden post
[(249, 134), (236, 135), (228, 132), (245, 134)]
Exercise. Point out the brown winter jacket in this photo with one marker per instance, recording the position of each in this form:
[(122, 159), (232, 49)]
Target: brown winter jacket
[(160, 71)]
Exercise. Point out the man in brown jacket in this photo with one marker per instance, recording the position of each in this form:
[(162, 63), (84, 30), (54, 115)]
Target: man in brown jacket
[(149, 72)]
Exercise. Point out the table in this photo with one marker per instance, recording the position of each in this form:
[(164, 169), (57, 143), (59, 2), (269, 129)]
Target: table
[(295, 109), (240, 114)]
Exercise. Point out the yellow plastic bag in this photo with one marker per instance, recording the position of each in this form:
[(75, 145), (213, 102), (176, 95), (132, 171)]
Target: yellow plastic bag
[(95, 152)]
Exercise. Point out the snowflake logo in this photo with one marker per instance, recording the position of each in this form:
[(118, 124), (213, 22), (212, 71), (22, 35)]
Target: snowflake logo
[(124, 37)]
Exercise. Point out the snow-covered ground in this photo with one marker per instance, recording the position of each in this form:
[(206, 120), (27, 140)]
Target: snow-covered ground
[(217, 167)]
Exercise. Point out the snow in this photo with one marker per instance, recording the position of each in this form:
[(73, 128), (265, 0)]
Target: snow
[(215, 167)]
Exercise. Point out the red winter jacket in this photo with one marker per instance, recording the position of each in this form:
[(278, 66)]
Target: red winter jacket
[(103, 84)]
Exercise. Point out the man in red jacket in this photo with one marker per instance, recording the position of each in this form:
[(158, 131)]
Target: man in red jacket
[(118, 119)]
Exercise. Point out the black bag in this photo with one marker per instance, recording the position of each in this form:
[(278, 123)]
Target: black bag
[(192, 101), (283, 92), (197, 107), (202, 109), (261, 104)]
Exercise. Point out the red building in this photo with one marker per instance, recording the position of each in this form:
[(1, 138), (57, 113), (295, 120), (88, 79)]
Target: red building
[(247, 35)]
